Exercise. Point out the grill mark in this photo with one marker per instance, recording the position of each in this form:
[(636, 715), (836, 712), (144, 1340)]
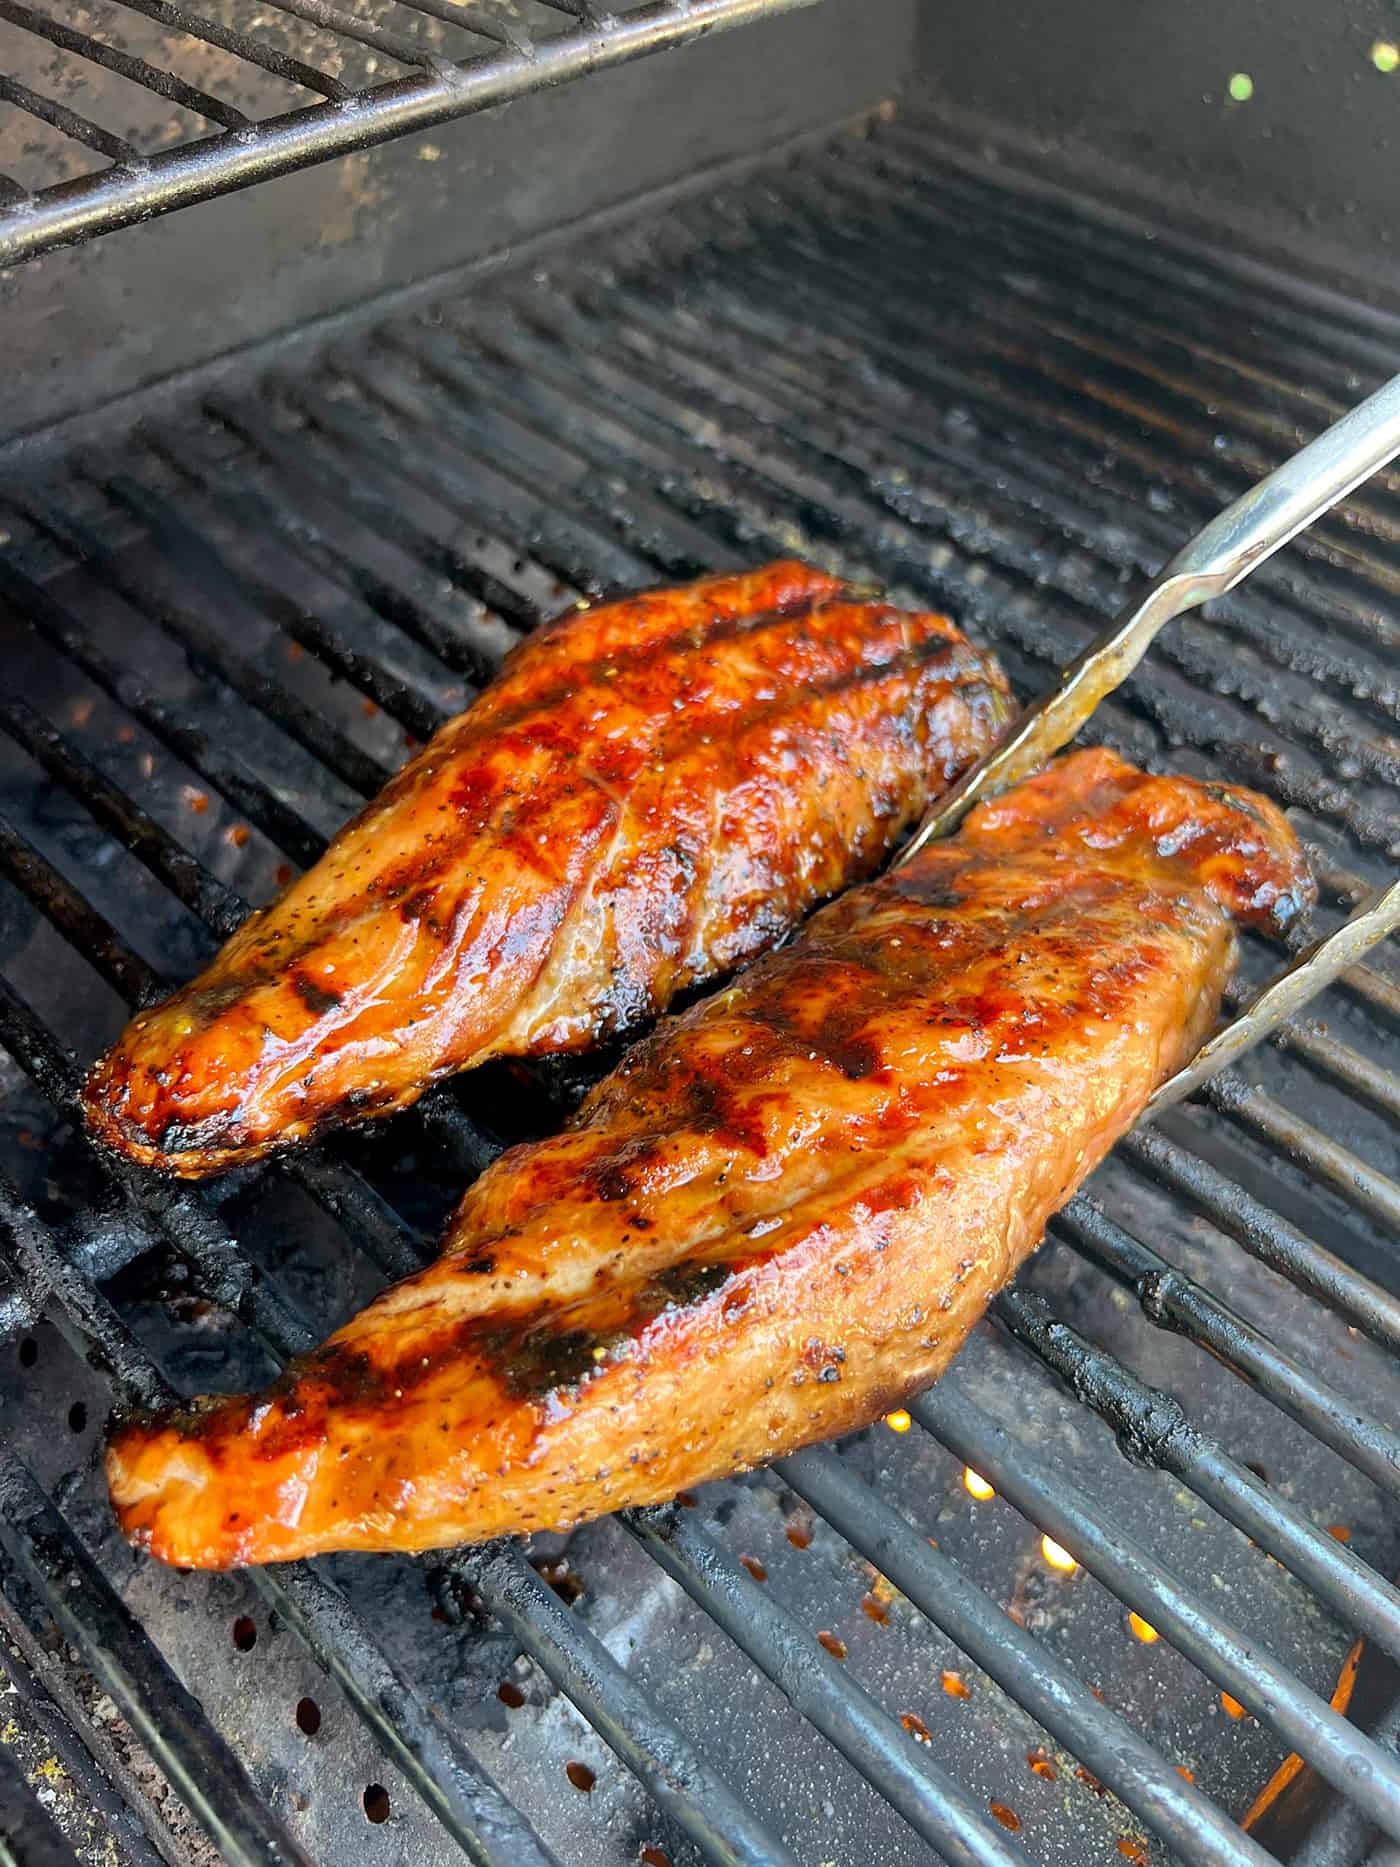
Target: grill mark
[(543, 1351), (835, 1043), (820, 583), (411, 884), (414, 873), (719, 627), (678, 645), (849, 680), (877, 1185), (529, 1005), (317, 999), (699, 903), (681, 652)]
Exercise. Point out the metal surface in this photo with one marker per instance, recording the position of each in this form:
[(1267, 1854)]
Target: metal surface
[(1235, 543), (1297, 167), (138, 187), (27, 1837), (227, 624), (403, 221), (1285, 997), (170, 1719)]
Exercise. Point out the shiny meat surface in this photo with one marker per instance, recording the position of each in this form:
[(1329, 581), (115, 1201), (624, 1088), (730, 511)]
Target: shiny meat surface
[(778, 1217), (649, 793)]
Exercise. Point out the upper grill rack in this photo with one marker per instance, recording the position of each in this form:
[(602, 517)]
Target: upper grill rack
[(307, 75), (425, 496)]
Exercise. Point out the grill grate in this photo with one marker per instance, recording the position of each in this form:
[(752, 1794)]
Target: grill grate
[(232, 623), (211, 145)]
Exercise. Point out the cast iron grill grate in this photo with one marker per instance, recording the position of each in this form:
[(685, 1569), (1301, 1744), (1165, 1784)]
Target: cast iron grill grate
[(208, 104), (231, 621)]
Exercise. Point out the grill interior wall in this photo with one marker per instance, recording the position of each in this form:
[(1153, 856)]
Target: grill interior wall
[(97, 319), (229, 625)]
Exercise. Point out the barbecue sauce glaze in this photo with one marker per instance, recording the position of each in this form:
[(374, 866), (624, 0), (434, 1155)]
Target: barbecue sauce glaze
[(782, 1213)]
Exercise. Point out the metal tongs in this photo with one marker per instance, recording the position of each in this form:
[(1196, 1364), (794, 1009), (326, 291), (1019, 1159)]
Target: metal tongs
[(1220, 556)]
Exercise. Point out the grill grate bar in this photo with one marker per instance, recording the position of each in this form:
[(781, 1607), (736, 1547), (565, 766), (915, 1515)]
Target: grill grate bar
[(443, 1772), (220, 907), (1023, 1666), (355, 768), (81, 925), (359, 31), (638, 521), (825, 1694), (251, 51), (259, 514), (1122, 415), (346, 492), (442, 437), (1266, 1236), (1360, 1184), (1266, 398), (202, 563), (1044, 1493), (1156, 1426), (1346, 889), (68, 122), (1176, 705), (1374, 990), (920, 500), (1321, 344), (165, 84), (1172, 1300), (1342, 1835), (387, 1238), (217, 1269), (224, 771), (489, 1829), (37, 1261), (677, 1776), (1115, 276), (169, 1722), (998, 405), (586, 427), (385, 513), (474, 17), (439, 91), (1343, 1065)]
